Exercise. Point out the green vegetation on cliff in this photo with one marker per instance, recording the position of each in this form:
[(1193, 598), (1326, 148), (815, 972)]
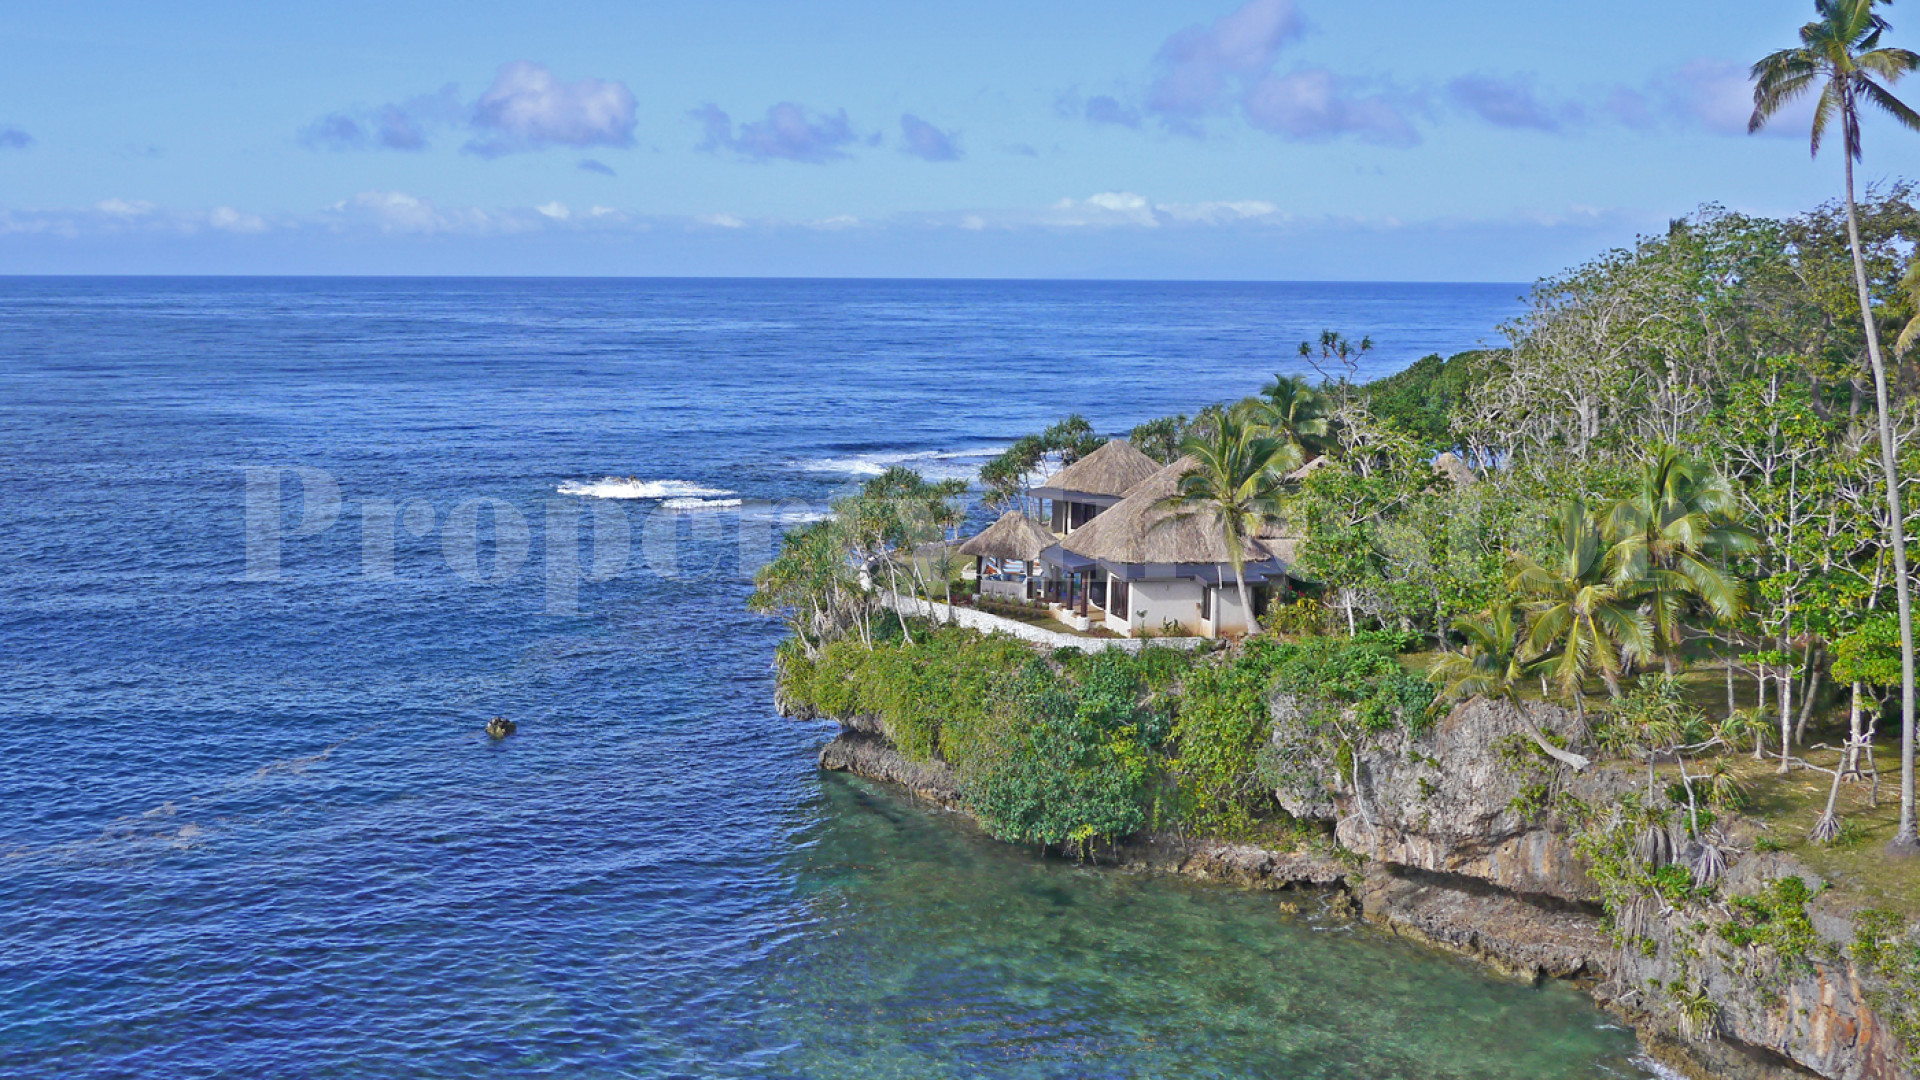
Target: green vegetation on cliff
[(1073, 747)]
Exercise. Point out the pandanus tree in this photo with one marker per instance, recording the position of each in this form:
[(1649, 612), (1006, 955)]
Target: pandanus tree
[(1840, 56), (1492, 665), (893, 514), (1581, 623), (1236, 484), (810, 585), (1670, 541)]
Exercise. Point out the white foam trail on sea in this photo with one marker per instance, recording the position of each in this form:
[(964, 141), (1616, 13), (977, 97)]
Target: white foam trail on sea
[(700, 504), (932, 464), (613, 487)]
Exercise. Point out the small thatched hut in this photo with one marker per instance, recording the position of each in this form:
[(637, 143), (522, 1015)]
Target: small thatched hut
[(1007, 554), (1451, 466)]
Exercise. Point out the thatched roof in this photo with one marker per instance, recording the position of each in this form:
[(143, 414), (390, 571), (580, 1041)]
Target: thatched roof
[(1450, 466), (1309, 468), (1142, 529), (1014, 536), (1110, 471)]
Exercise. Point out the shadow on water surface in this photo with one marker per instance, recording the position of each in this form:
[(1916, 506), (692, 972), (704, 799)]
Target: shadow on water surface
[(940, 952)]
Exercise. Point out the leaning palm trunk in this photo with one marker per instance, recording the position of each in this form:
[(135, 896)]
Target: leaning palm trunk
[(1896, 522), (1246, 603), (1576, 762)]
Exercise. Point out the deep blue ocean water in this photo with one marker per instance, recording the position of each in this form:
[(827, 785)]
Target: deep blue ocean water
[(249, 824)]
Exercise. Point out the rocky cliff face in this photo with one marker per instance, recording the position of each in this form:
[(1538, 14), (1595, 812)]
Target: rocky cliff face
[(1468, 852), (1466, 798), (1460, 848), (1812, 1012)]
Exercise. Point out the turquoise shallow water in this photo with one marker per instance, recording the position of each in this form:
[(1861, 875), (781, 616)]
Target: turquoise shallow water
[(249, 824), (939, 952)]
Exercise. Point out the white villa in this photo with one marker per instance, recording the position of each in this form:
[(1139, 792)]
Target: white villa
[(1121, 559)]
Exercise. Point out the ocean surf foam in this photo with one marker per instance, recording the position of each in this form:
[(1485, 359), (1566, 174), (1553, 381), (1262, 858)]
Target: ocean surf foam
[(932, 464), (613, 487)]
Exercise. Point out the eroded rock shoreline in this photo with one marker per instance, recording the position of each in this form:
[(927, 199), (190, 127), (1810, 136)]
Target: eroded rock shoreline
[(1447, 860)]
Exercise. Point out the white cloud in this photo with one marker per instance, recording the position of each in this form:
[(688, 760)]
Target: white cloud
[(1105, 209), (556, 210), (399, 212), (1200, 66), (1512, 102), (1718, 95), (1229, 66), (927, 142), (788, 133), (1222, 213), (401, 125), (227, 219), (527, 108), (721, 221), (122, 208), (1314, 104)]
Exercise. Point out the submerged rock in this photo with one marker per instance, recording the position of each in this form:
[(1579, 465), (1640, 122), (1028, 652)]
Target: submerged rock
[(500, 727)]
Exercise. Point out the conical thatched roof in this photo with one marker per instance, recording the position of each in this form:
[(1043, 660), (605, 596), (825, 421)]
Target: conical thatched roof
[(1309, 468), (1453, 468), (1142, 529), (1014, 536), (1109, 471)]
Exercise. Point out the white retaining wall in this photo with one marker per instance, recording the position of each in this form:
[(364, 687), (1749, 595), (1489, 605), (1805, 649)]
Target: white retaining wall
[(988, 623)]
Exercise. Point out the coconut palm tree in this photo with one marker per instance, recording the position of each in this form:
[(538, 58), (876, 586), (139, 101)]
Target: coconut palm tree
[(1840, 53), (1670, 537), (1582, 624), (1491, 665), (1291, 408), (1236, 483)]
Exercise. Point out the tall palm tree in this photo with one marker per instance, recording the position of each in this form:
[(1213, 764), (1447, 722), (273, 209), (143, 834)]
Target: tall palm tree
[(1669, 539), (1491, 665), (1588, 624), (1235, 482), (1291, 408), (1841, 53)]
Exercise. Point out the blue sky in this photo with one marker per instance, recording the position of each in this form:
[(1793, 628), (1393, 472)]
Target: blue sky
[(1271, 139)]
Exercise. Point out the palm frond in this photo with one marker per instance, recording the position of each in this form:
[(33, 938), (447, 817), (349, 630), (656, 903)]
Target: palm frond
[(1889, 104)]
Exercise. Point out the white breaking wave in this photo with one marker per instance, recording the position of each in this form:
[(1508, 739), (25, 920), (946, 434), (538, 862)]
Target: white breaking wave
[(932, 464), (613, 487), (699, 504)]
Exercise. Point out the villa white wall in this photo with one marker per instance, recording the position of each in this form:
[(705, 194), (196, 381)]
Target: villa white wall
[(1229, 615), (1151, 603)]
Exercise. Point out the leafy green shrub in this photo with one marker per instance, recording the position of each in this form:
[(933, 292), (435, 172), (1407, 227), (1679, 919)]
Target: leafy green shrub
[(1884, 946), (1774, 918), (1060, 762), (1305, 615), (918, 691), (1348, 691)]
